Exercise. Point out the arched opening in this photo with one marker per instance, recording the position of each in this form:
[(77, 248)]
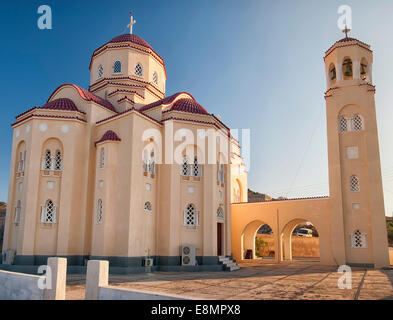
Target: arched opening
[(332, 74), (347, 69), (300, 241), (363, 69), (257, 241)]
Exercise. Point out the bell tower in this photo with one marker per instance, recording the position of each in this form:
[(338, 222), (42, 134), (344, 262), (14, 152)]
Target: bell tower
[(357, 222)]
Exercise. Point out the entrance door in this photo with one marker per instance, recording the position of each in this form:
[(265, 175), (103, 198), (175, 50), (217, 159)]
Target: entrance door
[(219, 237)]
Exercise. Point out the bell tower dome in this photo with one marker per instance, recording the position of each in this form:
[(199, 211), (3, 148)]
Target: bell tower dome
[(127, 72), (357, 205)]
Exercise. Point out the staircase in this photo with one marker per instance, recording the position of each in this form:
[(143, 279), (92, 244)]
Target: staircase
[(229, 264)]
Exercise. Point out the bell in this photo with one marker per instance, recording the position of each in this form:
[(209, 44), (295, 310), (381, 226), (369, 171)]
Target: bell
[(333, 74), (363, 71), (348, 70)]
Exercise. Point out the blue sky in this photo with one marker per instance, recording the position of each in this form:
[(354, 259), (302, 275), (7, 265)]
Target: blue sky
[(259, 64)]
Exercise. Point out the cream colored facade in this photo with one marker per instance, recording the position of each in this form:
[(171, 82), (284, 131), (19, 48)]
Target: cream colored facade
[(121, 171), (351, 221)]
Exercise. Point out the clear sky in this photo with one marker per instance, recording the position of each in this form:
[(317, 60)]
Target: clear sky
[(259, 64)]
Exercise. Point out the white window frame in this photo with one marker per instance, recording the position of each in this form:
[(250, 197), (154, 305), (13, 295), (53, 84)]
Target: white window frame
[(141, 68), (100, 212), (45, 212), (58, 161), (100, 71), (18, 209), (101, 163), (358, 240), (195, 218), (114, 67), (354, 184)]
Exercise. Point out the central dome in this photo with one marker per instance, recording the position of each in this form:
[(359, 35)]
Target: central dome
[(188, 105), (131, 38)]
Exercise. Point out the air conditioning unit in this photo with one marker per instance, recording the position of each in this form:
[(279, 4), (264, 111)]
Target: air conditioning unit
[(8, 257), (148, 262), (188, 255)]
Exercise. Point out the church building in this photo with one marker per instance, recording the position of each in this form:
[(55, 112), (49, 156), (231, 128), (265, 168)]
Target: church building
[(123, 172)]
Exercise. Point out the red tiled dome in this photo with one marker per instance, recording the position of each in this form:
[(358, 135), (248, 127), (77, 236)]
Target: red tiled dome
[(61, 104), (109, 136), (188, 105), (130, 38)]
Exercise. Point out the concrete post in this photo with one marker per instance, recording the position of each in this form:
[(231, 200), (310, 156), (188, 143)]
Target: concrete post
[(57, 271), (97, 276)]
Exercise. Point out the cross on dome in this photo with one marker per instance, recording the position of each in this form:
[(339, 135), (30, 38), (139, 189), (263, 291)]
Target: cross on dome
[(132, 22), (346, 30)]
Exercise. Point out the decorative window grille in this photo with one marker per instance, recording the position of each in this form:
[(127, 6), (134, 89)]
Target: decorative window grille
[(47, 160), (18, 209), (48, 212), (148, 206), (138, 70), (343, 126), (155, 78), (358, 240), (357, 123), (220, 213), (185, 168), (152, 164), (191, 216), (100, 71), (354, 184), (117, 67), (99, 211), (58, 162), (196, 168), (21, 161), (102, 158)]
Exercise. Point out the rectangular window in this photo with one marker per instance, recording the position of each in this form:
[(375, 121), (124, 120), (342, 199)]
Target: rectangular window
[(352, 152)]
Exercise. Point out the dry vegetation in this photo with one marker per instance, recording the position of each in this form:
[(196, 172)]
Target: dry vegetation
[(301, 246)]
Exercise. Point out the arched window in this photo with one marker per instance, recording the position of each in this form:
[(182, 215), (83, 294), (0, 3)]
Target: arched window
[(347, 69), (185, 168), (152, 164), (58, 161), (18, 209), (21, 161), (196, 168), (343, 126), (100, 72), (220, 213), (358, 240), (47, 165), (138, 70), (332, 73), (155, 78), (148, 206), (220, 173), (357, 123), (117, 67), (191, 216), (102, 158), (99, 211), (48, 212), (354, 185)]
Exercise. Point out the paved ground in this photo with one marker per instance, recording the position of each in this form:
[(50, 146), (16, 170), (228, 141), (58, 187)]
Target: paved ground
[(254, 281)]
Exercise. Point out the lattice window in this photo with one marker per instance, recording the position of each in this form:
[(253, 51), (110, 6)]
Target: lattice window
[(58, 161), (48, 212), (196, 168), (102, 158), (358, 240), (148, 206), (220, 173), (354, 184), (220, 213), (99, 211), (152, 164), (343, 126), (138, 70), (47, 160), (100, 71), (357, 123), (18, 210), (117, 67), (155, 78), (185, 168), (191, 216), (21, 161)]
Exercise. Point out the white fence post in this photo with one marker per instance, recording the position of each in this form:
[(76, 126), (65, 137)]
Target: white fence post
[(58, 273), (97, 276)]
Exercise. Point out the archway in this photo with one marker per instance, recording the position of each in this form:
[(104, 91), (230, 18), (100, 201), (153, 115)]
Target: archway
[(256, 245), (300, 241)]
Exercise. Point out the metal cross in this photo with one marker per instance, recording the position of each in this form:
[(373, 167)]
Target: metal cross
[(346, 30), (132, 22)]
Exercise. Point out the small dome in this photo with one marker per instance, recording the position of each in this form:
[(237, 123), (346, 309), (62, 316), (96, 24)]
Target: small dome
[(61, 104), (109, 136), (188, 105), (131, 38)]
